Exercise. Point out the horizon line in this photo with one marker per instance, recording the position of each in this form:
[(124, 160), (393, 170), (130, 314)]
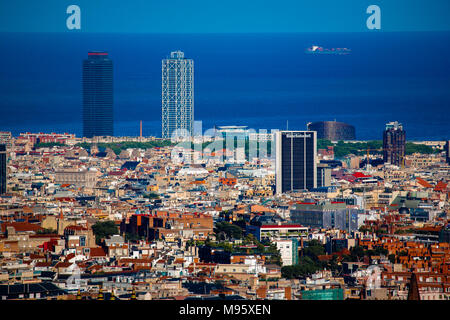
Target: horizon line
[(227, 33)]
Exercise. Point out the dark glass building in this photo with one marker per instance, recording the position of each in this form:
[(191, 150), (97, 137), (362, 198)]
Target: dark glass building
[(394, 143), (97, 95), (332, 130), (2, 168), (296, 153), (447, 151)]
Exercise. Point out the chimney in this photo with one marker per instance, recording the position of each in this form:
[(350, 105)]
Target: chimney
[(413, 293), (261, 292), (287, 293)]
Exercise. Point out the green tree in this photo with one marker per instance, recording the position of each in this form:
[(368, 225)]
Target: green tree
[(357, 253), (381, 251), (46, 231), (364, 228), (227, 247), (230, 230), (117, 147), (104, 229), (391, 258), (403, 253), (313, 250), (275, 256), (133, 237), (260, 247), (250, 239), (304, 268), (151, 195)]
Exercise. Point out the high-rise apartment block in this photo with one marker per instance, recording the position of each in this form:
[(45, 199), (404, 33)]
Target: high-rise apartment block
[(394, 142)]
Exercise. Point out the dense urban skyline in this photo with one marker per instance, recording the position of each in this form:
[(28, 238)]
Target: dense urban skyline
[(317, 167)]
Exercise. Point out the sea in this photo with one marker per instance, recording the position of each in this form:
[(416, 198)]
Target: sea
[(263, 81)]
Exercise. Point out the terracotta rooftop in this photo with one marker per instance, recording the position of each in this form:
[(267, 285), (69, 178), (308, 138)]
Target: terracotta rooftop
[(424, 183)]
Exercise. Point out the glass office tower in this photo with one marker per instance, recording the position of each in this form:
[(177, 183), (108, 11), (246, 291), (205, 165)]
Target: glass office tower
[(2, 168), (177, 95), (447, 151), (97, 95), (296, 167), (394, 143)]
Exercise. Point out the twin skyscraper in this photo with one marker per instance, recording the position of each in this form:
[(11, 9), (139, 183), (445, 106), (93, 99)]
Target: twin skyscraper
[(177, 95)]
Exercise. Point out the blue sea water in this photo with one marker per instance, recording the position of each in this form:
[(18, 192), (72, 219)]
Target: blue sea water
[(258, 80)]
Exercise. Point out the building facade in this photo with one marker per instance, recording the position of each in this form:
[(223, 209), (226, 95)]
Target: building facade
[(277, 231), (332, 130), (5, 138), (394, 143), (2, 169), (177, 95), (288, 250), (98, 115), (85, 178), (323, 175), (296, 154), (325, 215)]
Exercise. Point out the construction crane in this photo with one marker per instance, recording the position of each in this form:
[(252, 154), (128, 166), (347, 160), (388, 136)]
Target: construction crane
[(367, 156)]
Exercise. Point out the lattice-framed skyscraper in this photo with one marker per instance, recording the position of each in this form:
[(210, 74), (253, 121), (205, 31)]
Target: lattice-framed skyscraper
[(177, 95)]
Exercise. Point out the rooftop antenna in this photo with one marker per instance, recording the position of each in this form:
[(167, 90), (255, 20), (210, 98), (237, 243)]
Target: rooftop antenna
[(287, 125), (140, 129)]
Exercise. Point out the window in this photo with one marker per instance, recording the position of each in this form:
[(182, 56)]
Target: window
[(83, 241)]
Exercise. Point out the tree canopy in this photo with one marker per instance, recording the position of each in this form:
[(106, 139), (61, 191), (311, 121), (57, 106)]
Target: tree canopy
[(227, 230), (342, 149), (104, 229)]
